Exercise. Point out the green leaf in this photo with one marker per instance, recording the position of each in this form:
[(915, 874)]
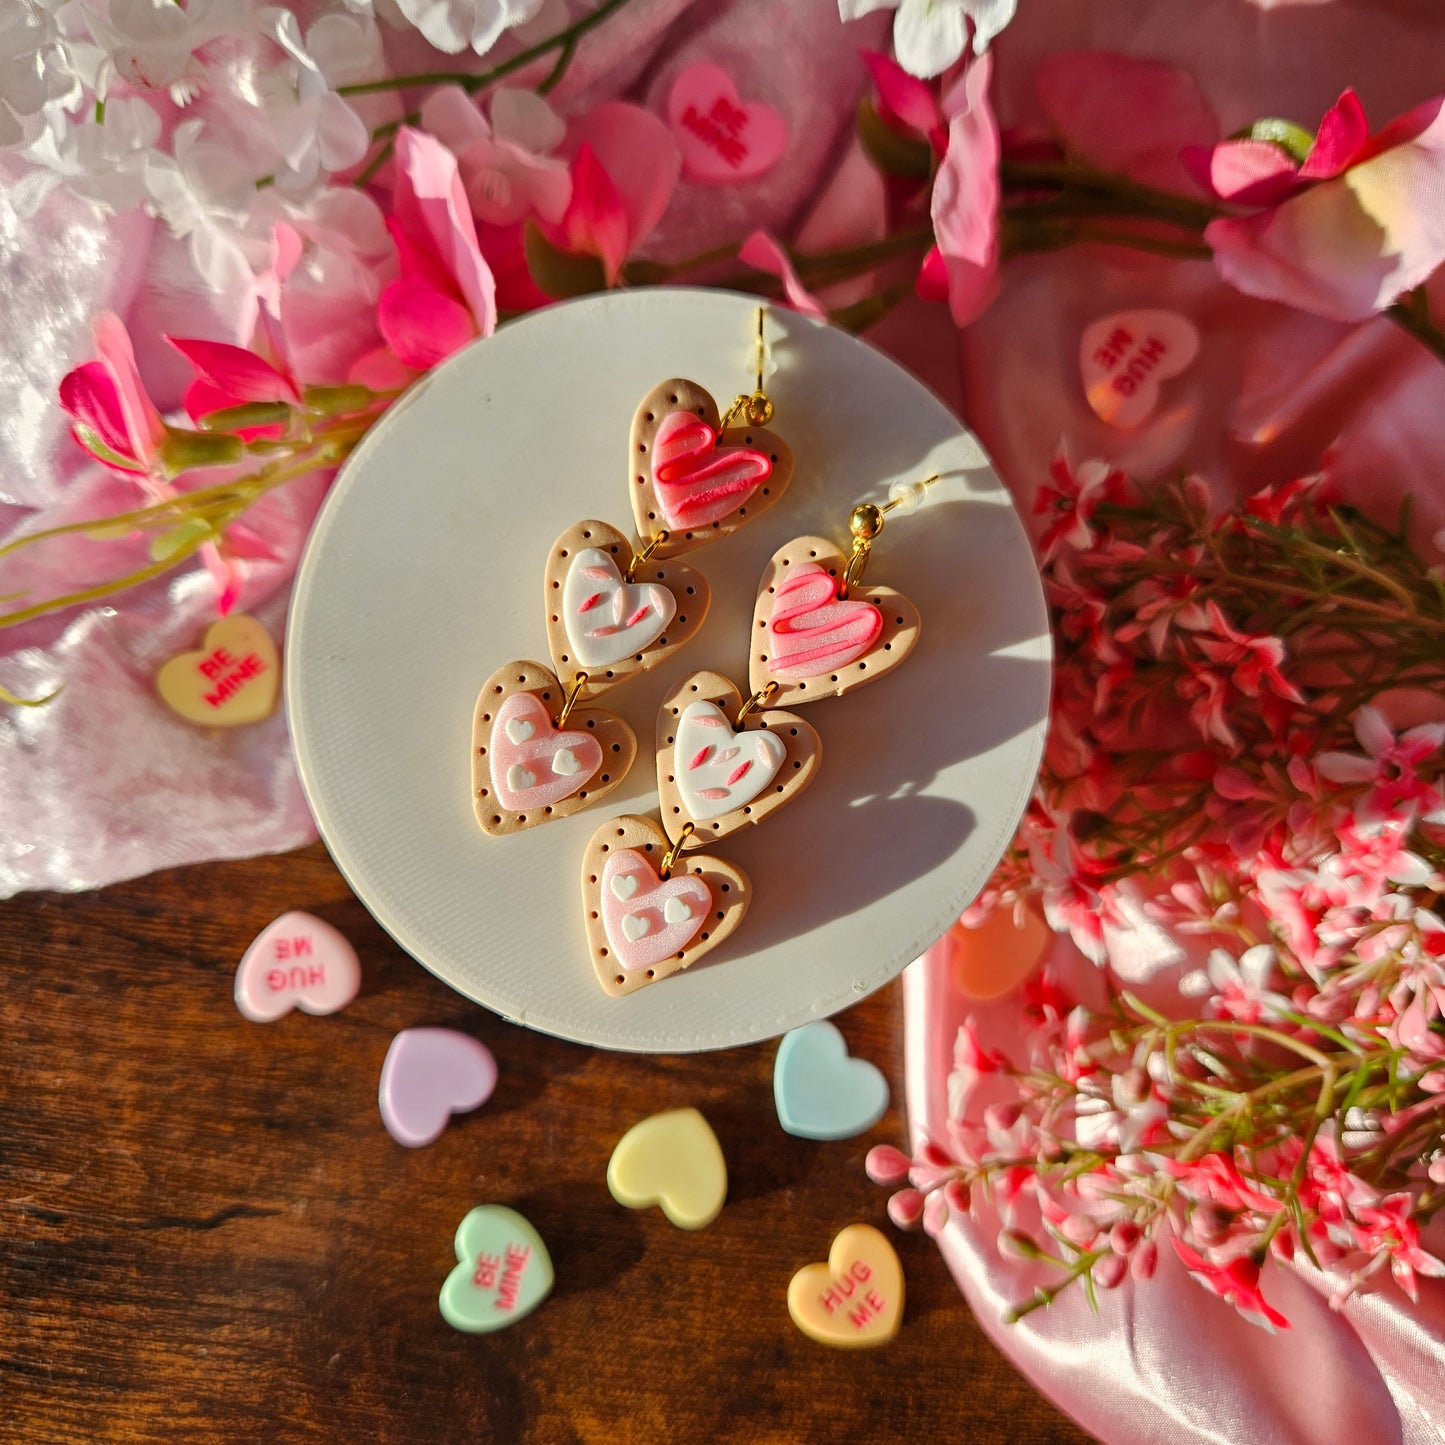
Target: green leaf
[(894, 153), (561, 273), (1294, 140)]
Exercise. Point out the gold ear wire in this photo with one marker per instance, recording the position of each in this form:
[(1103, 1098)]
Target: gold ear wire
[(757, 408), (866, 520)]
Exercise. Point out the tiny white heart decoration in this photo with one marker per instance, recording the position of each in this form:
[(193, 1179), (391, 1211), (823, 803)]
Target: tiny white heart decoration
[(676, 910), (634, 925), (519, 779), (519, 729), (624, 885), (564, 763)]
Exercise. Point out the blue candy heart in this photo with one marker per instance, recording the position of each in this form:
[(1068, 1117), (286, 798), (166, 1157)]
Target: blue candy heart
[(820, 1092)]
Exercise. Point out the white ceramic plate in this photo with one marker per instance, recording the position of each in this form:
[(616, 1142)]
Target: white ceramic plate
[(423, 574)]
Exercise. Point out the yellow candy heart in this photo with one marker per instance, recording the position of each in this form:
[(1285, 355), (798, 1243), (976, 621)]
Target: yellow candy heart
[(233, 679), (997, 956), (854, 1300), (672, 1160)]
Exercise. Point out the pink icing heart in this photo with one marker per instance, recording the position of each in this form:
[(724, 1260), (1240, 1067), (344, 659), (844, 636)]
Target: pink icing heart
[(698, 482), (811, 632), (646, 918), (429, 1075), (296, 962), (1124, 357), (721, 137), (533, 765)]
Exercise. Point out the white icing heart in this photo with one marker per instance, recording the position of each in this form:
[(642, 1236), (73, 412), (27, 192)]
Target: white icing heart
[(519, 779), (564, 762), (634, 925), (519, 729), (624, 885), (606, 618), (676, 910), (717, 769)]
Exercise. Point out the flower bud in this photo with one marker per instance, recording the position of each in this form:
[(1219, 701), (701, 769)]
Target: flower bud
[(905, 1208), (181, 451), (935, 1214), (1145, 1260), (1017, 1245), (1080, 1229), (1124, 1236), (1134, 1086), (959, 1196), (1111, 1271), (886, 1165)]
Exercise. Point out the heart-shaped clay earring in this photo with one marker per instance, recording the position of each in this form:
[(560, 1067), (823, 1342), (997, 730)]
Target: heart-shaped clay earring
[(644, 921), (721, 772), (616, 608)]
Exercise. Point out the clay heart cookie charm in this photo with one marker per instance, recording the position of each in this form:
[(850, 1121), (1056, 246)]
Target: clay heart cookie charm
[(642, 927), (672, 1160), (524, 769), (814, 644), (692, 482), (819, 1091), (503, 1271), (296, 962), (600, 623), (854, 1300), (722, 138), (1124, 357), (233, 679), (722, 778), (429, 1075)]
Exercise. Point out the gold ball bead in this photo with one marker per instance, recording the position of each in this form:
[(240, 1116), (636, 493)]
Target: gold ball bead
[(759, 410), (865, 520)]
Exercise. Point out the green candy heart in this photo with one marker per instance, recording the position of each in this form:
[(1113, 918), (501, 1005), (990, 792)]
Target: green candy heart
[(503, 1271)]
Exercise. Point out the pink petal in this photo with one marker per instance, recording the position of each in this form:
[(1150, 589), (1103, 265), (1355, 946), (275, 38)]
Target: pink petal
[(636, 150), (422, 326), (596, 220), (381, 371), (762, 251), (88, 393), (240, 373), (1340, 139), (143, 424), (905, 98), (1128, 115), (1246, 172), (932, 284)]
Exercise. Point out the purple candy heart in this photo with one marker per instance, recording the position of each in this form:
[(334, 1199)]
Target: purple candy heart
[(429, 1075)]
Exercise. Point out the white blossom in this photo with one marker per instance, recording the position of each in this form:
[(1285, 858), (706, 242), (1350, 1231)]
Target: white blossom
[(103, 159), (930, 35), (37, 76), (453, 25), (152, 44)]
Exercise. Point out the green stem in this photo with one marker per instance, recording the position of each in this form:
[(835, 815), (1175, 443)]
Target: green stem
[(1069, 175), (1412, 314)]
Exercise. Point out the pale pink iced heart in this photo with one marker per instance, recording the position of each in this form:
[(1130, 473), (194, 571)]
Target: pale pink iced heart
[(296, 962), (1124, 357), (429, 1075), (722, 137), (608, 618), (719, 769), (697, 481), (534, 765), (811, 632), (647, 918)]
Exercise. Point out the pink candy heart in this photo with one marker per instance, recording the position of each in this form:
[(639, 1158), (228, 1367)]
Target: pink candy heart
[(697, 481), (429, 1075), (647, 918), (1124, 357), (533, 764), (721, 137), (296, 962), (810, 632)]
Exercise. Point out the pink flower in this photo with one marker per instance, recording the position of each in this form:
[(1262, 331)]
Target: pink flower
[(1390, 767), (1070, 501), (907, 102), (115, 419), (445, 295), (763, 252), (1344, 232), (971, 1062), (1388, 1228), (1237, 1283), (963, 264), (1252, 660), (1237, 989), (1215, 1179)]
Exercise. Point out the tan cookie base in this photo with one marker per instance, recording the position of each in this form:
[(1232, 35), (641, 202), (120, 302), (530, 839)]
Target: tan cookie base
[(901, 626), (730, 893), (680, 395), (688, 586), (801, 762), (616, 739)]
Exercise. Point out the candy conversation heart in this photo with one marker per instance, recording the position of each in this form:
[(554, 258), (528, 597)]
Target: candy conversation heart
[(526, 770), (429, 1075), (722, 138), (672, 1160), (819, 1091), (232, 679), (693, 481), (813, 643), (1124, 357), (722, 777), (856, 1299), (296, 962), (503, 1271), (642, 927)]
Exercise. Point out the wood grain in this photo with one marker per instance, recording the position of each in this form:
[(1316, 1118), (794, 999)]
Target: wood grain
[(206, 1235)]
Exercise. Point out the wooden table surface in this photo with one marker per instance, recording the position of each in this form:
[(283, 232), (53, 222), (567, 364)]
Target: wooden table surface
[(206, 1234)]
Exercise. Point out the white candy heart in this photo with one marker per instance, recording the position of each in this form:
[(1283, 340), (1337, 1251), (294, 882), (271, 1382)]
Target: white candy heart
[(607, 618), (634, 925), (676, 910), (564, 762), (624, 885), (1124, 357), (706, 756), (519, 779), (519, 729)]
